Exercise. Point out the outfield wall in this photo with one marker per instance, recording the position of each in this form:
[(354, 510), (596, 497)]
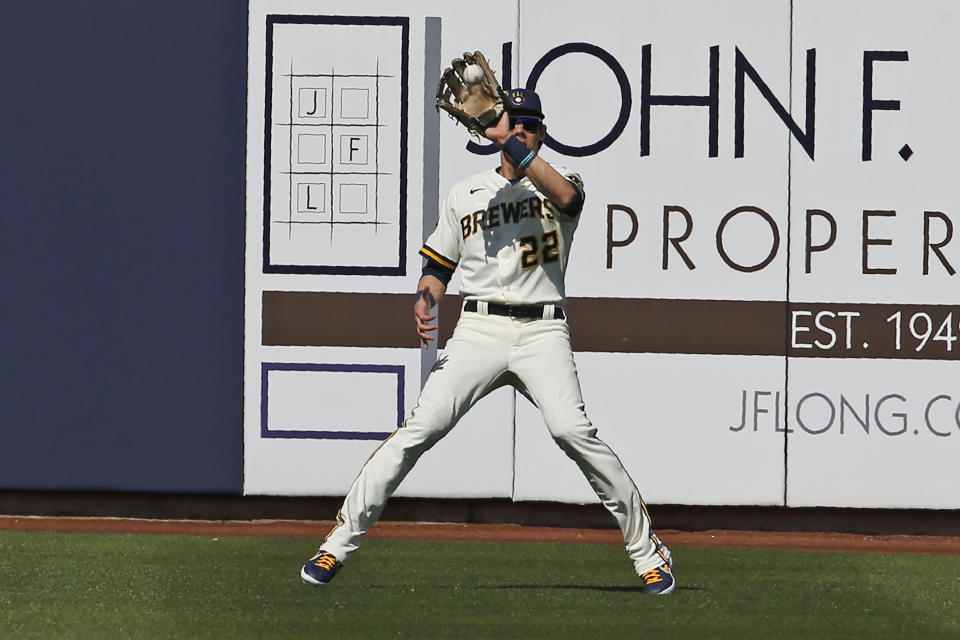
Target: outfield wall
[(762, 285), (763, 289), (121, 203)]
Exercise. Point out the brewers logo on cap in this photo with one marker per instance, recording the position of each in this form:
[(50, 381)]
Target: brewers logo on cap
[(525, 100)]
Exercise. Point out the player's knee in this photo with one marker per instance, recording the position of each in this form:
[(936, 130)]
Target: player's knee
[(570, 432), (408, 444), (425, 428)]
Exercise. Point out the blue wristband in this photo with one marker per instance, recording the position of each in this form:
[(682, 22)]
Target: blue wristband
[(521, 155)]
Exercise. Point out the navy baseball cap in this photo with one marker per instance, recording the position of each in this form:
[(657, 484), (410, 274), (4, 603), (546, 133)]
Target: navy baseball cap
[(524, 101)]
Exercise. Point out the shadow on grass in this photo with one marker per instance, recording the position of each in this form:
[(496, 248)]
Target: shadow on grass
[(585, 587)]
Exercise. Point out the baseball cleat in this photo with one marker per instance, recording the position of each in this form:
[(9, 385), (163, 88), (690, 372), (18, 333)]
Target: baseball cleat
[(659, 581), (320, 569)]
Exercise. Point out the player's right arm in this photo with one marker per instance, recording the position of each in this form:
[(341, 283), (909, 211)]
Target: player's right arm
[(441, 252), (437, 272), (429, 291)]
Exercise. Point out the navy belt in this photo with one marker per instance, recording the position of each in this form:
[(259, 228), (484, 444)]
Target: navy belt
[(524, 311)]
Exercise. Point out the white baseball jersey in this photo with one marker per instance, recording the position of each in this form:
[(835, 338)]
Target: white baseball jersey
[(511, 242)]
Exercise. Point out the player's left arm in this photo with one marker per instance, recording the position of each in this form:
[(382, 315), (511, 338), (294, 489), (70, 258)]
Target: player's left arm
[(563, 191)]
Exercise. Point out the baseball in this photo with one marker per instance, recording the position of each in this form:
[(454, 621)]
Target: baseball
[(472, 74)]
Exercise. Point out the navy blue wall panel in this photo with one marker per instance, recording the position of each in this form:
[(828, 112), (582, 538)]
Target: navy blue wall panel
[(122, 154)]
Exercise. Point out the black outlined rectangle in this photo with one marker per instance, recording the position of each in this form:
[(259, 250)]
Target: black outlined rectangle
[(346, 433), (271, 266)]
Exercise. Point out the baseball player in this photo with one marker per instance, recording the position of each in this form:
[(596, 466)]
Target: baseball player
[(509, 231)]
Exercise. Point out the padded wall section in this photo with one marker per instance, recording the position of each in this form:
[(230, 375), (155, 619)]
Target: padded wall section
[(122, 128)]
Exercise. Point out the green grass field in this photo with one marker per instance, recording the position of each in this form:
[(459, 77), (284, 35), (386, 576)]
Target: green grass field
[(72, 585)]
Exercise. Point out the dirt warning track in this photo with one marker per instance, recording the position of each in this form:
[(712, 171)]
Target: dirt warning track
[(729, 539)]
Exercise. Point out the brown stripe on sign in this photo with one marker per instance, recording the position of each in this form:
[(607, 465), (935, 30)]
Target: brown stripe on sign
[(628, 325), (598, 324), (338, 319), (724, 327)]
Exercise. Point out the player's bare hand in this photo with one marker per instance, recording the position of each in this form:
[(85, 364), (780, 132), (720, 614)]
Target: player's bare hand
[(424, 319), (500, 131)]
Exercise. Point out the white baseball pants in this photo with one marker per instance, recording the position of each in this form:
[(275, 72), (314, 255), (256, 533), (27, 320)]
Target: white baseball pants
[(485, 353)]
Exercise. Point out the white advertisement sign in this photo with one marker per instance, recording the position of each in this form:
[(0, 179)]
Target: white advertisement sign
[(762, 289)]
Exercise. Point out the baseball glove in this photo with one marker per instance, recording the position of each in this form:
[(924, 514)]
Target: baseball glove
[(477, 106)]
